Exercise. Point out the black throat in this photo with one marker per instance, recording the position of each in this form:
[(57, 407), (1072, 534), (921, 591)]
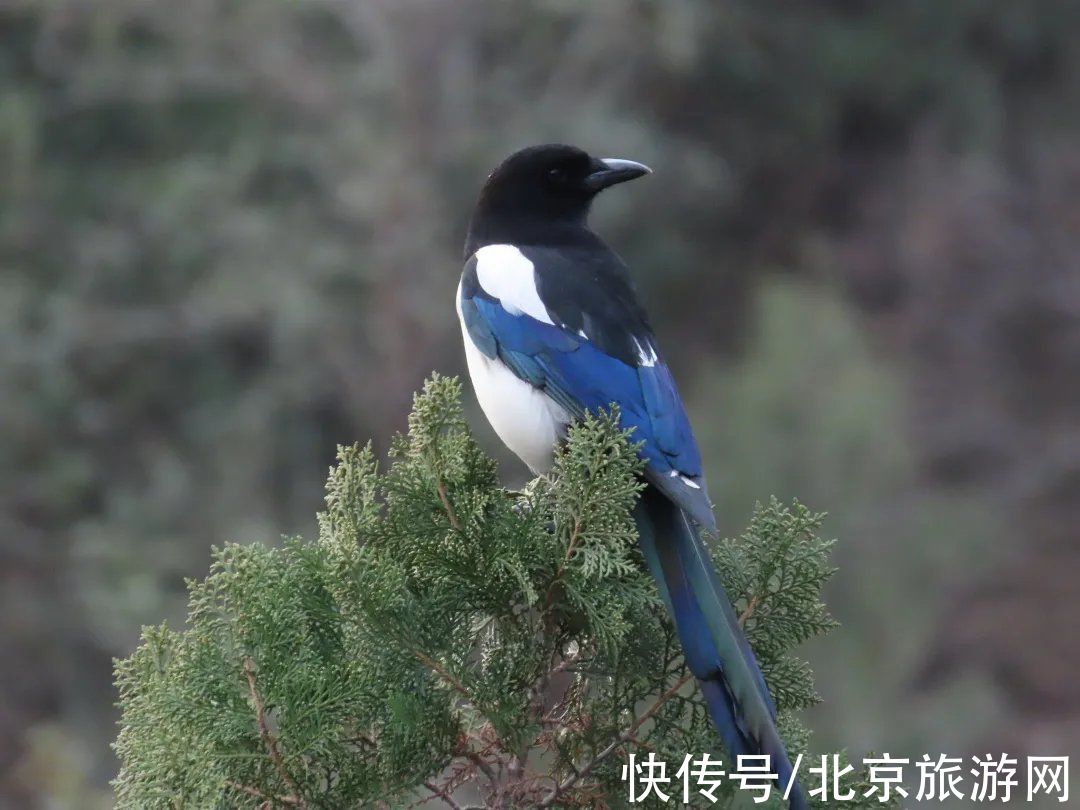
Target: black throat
[(486, 229), (516, 216)]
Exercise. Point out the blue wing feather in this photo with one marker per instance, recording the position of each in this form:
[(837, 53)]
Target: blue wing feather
[(581, 377)]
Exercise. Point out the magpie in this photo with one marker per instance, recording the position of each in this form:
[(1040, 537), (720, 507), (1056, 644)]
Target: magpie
[(553, 328)]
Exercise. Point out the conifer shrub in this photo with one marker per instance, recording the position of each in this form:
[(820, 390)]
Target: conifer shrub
[(448, 641)]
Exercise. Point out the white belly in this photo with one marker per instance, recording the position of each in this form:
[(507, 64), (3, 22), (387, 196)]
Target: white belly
[(526, 420)]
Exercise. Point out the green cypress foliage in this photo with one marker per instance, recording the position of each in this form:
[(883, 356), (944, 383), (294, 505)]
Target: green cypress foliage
[(448, 640)]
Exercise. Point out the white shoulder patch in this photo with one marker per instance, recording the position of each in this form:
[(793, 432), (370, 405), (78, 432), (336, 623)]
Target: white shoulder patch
[(505, 273), (689, 482), (646, 353)]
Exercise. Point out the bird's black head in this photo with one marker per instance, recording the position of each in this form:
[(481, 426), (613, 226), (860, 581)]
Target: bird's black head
[(550, 184)]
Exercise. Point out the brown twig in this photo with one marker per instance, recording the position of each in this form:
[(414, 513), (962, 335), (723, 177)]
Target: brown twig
[(746, 614), (627, 736), (451, 516), (575, 535), (660, 701), (452, 779), (440, 670), (442, 794), (539, 688), (563, 666), (479, 762), (518, 764), (292, 801), (268, 738), (459, 687)]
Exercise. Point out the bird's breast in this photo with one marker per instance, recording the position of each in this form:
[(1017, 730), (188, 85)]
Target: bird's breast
[(527, 421)]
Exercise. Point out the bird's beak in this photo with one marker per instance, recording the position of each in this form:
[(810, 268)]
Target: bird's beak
[(609, 171)]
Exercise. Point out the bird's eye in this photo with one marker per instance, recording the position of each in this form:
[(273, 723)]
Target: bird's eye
[(558, 175)]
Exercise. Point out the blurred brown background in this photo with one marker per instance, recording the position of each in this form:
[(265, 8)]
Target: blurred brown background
[(229, 239)]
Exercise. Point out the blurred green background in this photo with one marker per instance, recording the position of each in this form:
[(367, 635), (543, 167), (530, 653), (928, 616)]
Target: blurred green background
[(230, 235)]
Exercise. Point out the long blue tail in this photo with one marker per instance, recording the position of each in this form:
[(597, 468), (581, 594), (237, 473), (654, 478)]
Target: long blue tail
[(715, 649)]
